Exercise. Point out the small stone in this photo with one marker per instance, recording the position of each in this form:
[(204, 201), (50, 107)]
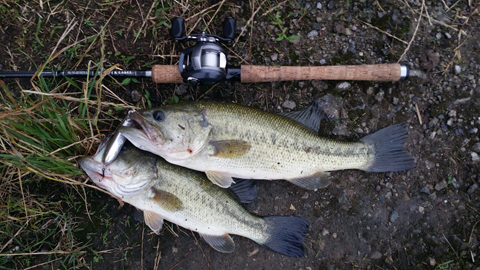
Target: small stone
[(319, 5), (425, 190), (429, 164), (438, 35), (325, 232), (376, 255), (475, 157), (331, 5), (393, 216), (174, 250), (343, 86), (312, 34), (458, 69), (292, 207), (432, 262), (360, 54), (136, 96), (316, 26), (441, 185), (274, 57), (334, 235), (181, 89), (448, 35), (305, 196), (452, 113), (433, 196), (455, 183), (476, 147), (421, 209), (472, 188), (450, 122), (288, 104), (417, 231), (389, 185), (323, 62)]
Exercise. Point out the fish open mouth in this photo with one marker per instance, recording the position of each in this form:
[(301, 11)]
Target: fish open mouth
[(153, 133)]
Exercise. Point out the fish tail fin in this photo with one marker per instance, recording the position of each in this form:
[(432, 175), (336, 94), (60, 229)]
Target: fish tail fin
[(388, 146), (287, 234)]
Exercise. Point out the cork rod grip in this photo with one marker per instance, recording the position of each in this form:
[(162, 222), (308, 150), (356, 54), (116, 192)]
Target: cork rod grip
[(381, 72), (166, 74)]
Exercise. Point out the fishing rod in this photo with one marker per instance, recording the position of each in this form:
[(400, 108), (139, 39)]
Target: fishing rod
[(206, 63)]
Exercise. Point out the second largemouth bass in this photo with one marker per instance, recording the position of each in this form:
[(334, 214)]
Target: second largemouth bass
[(187, 198), (229, 140)]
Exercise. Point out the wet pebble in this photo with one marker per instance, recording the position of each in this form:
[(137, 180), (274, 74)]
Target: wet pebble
[(393, 216), (319, 5), (425, 190), (441, 185), (331, 5), (376, 255), (323, 62), (472, 188), (288, 104), (475, 157), (476, 147), (136, 96), (274, 57), (343, 86), (458, 69), (312, 34), (429, 164), (455, 183)]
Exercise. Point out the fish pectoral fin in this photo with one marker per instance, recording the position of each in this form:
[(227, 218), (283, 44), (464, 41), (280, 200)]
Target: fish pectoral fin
[(221, 179), (245, 190), (312, 182), (230, 148), (153, 220), (166, 200), (222, 243)]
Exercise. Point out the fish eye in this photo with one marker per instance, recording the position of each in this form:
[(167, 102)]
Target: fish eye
[(159, 115)]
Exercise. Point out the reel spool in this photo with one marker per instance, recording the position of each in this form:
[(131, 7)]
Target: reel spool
[(206, 61)]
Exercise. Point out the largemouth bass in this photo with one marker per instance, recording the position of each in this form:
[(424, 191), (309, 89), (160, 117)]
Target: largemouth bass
[(229, 140), (187, 198)]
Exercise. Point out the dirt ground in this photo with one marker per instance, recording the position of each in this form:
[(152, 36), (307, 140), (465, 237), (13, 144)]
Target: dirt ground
[(424, 218)]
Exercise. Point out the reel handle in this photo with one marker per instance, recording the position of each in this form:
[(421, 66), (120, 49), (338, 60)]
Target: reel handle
[(380, 72)]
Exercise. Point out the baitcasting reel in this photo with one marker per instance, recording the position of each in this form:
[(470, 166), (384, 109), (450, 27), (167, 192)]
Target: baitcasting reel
[(206, 61)]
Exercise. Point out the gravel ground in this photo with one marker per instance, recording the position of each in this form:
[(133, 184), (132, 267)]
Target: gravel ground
[(423, 218)]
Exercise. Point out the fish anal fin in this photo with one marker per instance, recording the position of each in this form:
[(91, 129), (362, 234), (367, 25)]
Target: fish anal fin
[(313, 182), (153, 220), (220, 179), (230, 148), (166, 200), (222, 243), (245, 190)]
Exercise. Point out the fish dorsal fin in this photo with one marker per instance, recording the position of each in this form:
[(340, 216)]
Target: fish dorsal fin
[(310, 117), (313, 182), (245, 190), (222, 243), (166, 200), (153, 220), (230, 148), (221, 179)]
